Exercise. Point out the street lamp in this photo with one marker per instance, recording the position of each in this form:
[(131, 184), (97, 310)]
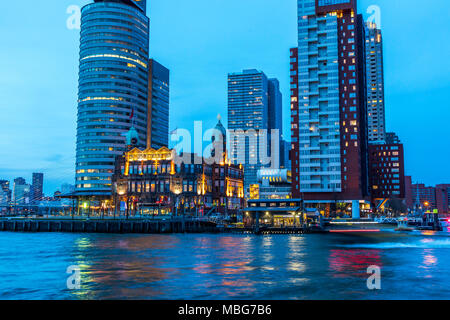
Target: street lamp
[(177, 189)]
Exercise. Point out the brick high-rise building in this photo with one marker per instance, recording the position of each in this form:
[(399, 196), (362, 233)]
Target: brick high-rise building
[(387, 171), (328, 103)]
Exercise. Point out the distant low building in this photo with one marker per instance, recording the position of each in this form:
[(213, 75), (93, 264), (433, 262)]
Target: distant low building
[(443, 198), (421, 196)]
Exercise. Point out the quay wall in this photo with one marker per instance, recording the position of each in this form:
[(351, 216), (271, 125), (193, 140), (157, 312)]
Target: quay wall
[(108, 226)]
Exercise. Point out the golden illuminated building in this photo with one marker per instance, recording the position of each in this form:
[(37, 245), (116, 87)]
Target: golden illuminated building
[(158, 182)]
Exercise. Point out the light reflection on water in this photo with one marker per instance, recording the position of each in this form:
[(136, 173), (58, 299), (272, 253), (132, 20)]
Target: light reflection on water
[(222, 266)]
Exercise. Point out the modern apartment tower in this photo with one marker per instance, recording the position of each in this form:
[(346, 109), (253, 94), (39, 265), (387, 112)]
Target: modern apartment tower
[(158, 115), (375, 84), (254, 103), (113, 88), (328, 104)]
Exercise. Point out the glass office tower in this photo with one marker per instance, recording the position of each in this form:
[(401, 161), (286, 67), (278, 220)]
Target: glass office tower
[(158, 103)]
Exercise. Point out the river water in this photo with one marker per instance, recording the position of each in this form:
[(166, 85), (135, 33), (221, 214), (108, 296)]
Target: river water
[(331, 266)]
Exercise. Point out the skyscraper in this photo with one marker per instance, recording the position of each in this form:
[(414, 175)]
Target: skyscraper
[(37, 187), (254, 103), (113, 88), (329, 114), (21, 192), (375, 84), (158, 114)]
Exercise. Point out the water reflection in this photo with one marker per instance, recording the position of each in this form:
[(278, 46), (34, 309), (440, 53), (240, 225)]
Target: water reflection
[(221, 266), (353, 262), (296, 254), (429, 264), (112, 262)]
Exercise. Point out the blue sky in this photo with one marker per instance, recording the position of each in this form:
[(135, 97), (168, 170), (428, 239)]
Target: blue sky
[(201, 41)]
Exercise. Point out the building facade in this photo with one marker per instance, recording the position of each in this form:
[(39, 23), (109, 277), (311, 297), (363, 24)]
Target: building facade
[(392, 138), (157, 182), (158, 109), (387, 171), (375, 84), (6, 192), (443, 198), (113, 88), (21, 192), (255, 108), (37, 187), (275, 107), (328, 103), (418, 195), (248, 109), (422, 197)]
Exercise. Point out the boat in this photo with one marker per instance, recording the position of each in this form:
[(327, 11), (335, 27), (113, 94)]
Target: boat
[(444, 222), (403, 226)]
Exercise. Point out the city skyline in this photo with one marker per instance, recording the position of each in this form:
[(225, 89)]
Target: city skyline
[(55, 76)]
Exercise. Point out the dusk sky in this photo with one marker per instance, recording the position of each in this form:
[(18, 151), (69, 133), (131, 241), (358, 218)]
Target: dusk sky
[(201, 41)]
